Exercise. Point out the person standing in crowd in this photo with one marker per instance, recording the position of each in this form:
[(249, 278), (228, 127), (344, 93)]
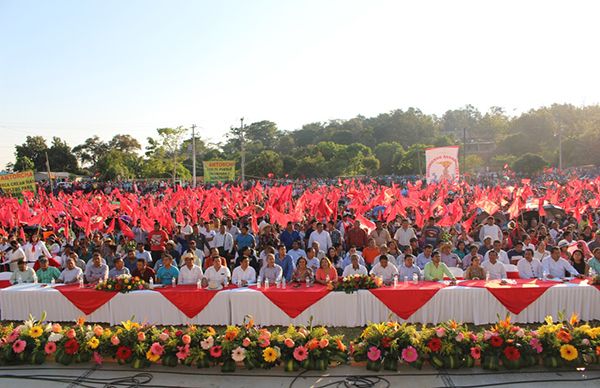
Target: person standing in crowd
[(34, 248), (380, 234), (321, 236), (356, 236), (490, 229), (157, 239), (431, 233), (404, 234)]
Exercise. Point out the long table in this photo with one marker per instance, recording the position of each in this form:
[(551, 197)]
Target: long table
[(475, 303)]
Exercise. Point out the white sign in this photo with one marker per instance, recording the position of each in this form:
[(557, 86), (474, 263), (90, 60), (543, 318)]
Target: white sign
[(442, 164)]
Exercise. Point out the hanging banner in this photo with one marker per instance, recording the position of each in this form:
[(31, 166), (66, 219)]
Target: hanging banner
[(219, 171), (442, 164), (15, 184)]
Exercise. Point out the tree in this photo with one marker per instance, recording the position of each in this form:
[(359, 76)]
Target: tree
[(529, 163), (33, 149), (166, 149), (124, 143), (91, 151), (61, 157), (23, 163), (264, 163)]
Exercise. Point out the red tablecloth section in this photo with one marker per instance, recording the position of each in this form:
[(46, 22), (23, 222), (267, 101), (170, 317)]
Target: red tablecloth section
[(515, 297), (85, 299), (588, 280), (4, 283), (293, 301), (188, 298), (405, 299)]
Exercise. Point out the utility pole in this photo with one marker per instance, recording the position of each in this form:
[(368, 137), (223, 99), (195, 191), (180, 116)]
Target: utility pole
[(464, 168), (243, 150), (49, 173), (560, 158), (193, 155)]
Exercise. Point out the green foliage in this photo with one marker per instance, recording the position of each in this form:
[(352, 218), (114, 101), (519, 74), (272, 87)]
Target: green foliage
[(529, 163)]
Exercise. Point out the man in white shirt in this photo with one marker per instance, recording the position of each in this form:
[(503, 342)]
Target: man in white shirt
[(71, 274), (404, 234), (354, 268), (189, 273), (224, 242), (295, 253), (312, 261), (384, 270), (490, 229), (529, 267), (321, 236), (141, 253), (383, 251), (216, 273), (554, 267), (494, 267), (14, 255), (243, 274), (500, 253), (23, 274)]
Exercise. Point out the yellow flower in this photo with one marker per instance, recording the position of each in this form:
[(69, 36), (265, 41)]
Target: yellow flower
[(210, 331), (36, 331), (548, 319), (269, 354), (574, 319), (152, 357), (93, 343), (568, 352), (128, 325)]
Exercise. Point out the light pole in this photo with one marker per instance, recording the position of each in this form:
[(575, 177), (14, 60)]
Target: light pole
[(560, 158), (193, 155), (464, 149), (243, 151)]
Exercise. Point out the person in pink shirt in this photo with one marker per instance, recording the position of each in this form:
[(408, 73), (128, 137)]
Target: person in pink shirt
[(326, 273)]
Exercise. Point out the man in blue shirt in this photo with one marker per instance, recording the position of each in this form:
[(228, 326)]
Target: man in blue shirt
[(288, 236), (244, 239), (285, 262), (295, 253), (168, 271)]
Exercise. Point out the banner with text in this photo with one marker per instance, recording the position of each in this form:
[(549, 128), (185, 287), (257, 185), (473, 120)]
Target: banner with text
[(219, 171), (16, 183), (442, 164)]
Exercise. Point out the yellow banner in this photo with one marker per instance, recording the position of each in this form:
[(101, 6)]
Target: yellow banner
[(219, 171), (16, 183)]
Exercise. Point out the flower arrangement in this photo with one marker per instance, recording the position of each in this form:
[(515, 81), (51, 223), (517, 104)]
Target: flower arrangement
[(382, 345), (122, 283), (385, 344), (352, 283)]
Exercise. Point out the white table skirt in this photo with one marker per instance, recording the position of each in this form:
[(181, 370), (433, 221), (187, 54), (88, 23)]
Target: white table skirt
[(463, 304), (334, 309)]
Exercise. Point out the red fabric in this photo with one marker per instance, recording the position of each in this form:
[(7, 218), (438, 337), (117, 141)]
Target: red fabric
[(86, 299), (293, 301), (51, 262), (513, 275), (515, 297), (589, 281), (4, 283), (188, 298), (405, 299)]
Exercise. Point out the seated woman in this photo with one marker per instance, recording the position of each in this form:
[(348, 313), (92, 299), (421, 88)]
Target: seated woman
[(475, 271), (302, 271), (326, 273)]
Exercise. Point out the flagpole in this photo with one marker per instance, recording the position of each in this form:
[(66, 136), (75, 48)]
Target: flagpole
[(243, 151), (49, 173), (193, 155)]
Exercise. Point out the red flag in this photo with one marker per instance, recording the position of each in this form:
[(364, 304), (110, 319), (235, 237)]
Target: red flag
[(541, 210), (111, 227), (366, 223), (469, 223), (127, 232), (513, 210)]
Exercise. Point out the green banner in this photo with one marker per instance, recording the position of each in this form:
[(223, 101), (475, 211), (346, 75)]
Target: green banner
[(219, 171), (15, 184)]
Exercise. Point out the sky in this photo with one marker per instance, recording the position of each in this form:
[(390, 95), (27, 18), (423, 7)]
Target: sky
[(80, 68)]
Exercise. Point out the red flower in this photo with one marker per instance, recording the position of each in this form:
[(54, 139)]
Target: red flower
[(179, 333), (123, 353), (511, 353), (496, 341), (71, 346), (216, 351), (434, 344), (118, 287), (386, 342)]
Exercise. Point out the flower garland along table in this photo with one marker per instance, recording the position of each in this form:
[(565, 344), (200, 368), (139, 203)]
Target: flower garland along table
[(384, 345)]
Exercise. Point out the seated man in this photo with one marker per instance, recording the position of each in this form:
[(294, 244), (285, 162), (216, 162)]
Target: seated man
[(46, 273), (97, 271), (385, 270), (23, 274), (493, 266), (555, 267), (529, 267), (119, 269), (190, 273), (71, 274), (217, 272), (355, 267), (143, 271), (244, 274), (214, 256), (167, 272), (408, 269), (435, 269), (271, 271)]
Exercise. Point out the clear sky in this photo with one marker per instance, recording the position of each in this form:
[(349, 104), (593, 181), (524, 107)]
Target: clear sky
[(83, 67)]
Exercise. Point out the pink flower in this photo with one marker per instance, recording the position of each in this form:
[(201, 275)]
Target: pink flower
[(13, 336), (141, 336), (70, 334), (56, 328), (300, 353), (440, 332), (374, 353), (585, 341), (97, 358), (459, 337), (186, 339), (410, 354), (520, 333), (19, 346), (263, 342), (163, 336), (289, 342), (473, 337), (157, 349), (115, 340), (50, 347), (183, 353), (246, 342), (487, 335), (476, 353), (216, 351), (536, 344)]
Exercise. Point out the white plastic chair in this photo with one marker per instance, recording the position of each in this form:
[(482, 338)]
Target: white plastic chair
[(457, 272), (511, 268)]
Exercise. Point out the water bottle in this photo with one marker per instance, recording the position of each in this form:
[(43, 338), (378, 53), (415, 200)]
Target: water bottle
[(19, 278), (226, 282), (80, 282), (395, 281), (282, 282), (151, 283), (415, 278), (277, 283), (405, 279), (52, 282), (173, 282), (327, 279), (487, 277), (198, 284), (266, 282), (307, 280), (258, 282)]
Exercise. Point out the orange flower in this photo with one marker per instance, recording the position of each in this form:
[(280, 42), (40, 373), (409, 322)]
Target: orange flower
[(323, 343), (210, 331), (231, 333), (313, 344), (598, 350), (563, 336), (574, 319), (505, 322), (80, 321), (250, 323), (342, 348), (453, 324)]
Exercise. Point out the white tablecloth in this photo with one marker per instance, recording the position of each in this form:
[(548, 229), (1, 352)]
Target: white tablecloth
[(463, 304)]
